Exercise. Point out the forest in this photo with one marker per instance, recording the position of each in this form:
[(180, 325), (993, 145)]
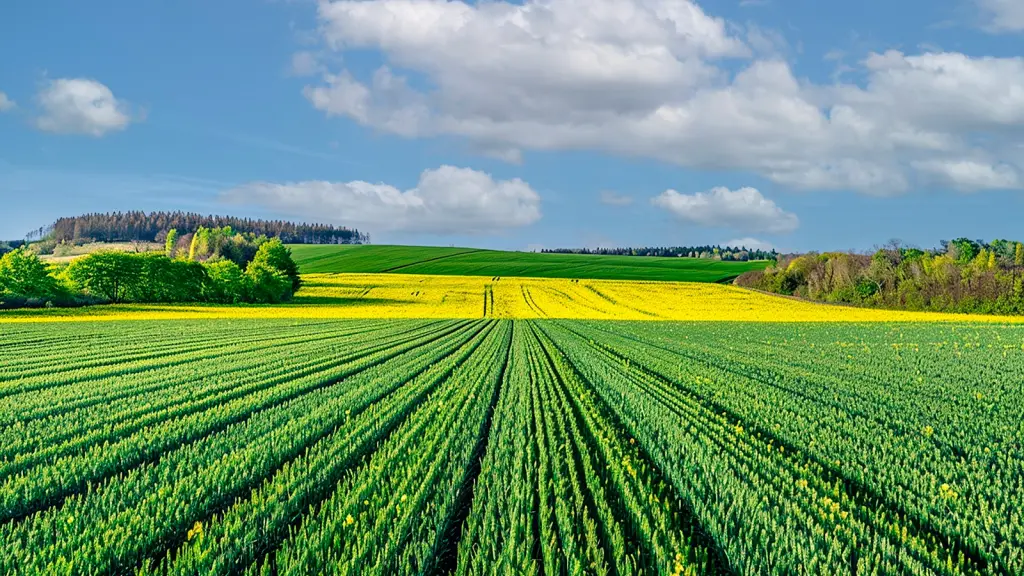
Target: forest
[(962, 275), (152, 226), (740, 253)]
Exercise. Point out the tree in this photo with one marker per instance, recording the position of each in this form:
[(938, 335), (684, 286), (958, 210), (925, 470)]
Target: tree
[(276, 255), (110, 275), (200, 247), (267, 284), (964, 250), (227, 283), (1018, 255), (171, 242), (22, 273)]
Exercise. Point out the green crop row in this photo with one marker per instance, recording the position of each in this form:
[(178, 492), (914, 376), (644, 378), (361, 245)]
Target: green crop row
[(487, 447)]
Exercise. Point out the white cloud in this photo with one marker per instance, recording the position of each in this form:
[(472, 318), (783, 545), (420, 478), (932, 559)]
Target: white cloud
[(446, 200), (749, 243), (612, 198), (744, 210), (1003, 15), (971, 175), (80, 106), (643, 78), (6, 103)]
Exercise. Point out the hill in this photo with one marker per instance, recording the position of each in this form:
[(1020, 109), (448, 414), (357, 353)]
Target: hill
[(313, 259)]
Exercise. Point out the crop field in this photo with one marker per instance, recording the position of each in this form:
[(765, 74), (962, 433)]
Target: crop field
[(371, 296), (314, 259), (490, 446)]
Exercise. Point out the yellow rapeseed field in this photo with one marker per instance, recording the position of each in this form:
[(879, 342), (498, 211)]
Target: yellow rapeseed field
[(413, 296)]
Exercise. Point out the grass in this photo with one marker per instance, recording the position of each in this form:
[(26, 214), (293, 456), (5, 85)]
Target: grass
[(314, 259)]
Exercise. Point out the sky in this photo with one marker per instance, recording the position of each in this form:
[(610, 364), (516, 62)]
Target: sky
[(794, 124)]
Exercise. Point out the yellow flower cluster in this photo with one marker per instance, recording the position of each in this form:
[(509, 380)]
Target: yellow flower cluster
[(416, 296)]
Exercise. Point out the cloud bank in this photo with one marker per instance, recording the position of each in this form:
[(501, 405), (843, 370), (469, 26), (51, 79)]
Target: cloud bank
[(446, 200)]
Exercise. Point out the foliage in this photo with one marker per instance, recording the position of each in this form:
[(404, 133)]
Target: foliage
[(10, 246), (119, 277), (964, 276), (170, 243), (228, 284), (274, 255), (23, 274)]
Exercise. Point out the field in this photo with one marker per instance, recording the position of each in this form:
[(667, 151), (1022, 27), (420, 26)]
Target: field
[(66, 254), (247, 446), (314, 259), (371, 296)]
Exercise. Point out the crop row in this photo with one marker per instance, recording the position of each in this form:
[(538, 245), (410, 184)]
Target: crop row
[(530, 447)]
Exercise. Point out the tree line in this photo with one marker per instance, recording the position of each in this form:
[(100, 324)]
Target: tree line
[(716, 252), (152, 226), (963, 275), (219, 265)]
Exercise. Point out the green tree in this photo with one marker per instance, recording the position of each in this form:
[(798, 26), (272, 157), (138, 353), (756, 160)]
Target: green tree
[(110, 275), (276, 255), (1018, 255), (227, 283), (267, 284), (169, 245), (22, 273), (165, 280), (964, 250)]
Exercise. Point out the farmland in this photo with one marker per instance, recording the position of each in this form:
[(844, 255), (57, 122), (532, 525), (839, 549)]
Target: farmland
[(314, 259), (315, 446), (369, 296)]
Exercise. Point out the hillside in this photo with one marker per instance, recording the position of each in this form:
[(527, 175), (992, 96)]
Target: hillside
[(314, 259)]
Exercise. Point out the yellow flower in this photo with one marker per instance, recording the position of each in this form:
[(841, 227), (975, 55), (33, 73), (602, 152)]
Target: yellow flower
[(462, 297), (349, 520)]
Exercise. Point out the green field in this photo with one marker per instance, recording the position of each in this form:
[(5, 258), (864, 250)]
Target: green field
[(474, 262), (510, 447)]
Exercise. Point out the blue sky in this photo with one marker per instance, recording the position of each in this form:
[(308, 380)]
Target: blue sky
[(798, 124)]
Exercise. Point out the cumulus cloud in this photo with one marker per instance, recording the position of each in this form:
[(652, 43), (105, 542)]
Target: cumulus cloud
[(749, 243), (80, 106), (446, 200), (6, 103), (1002, 15), (612, 198), (744, 210), (646, 78)]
